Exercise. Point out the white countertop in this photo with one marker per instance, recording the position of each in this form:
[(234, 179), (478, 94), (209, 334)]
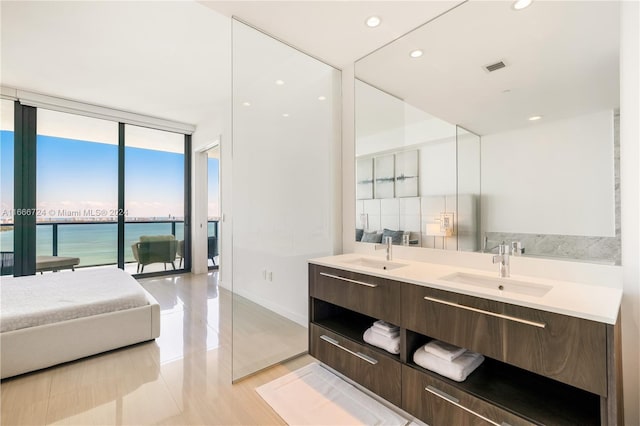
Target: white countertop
[(587, 301)]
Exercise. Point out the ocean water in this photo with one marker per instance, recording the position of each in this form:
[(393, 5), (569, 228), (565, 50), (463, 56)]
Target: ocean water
[(94, 244)]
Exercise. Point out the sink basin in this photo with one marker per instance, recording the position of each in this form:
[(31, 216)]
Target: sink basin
[(505, 285), (386, 265)]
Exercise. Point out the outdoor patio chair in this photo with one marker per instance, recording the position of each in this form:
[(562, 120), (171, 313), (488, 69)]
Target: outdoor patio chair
[(155, 249)]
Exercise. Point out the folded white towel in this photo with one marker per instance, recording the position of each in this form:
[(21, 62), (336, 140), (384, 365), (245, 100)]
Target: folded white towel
[(385, 326), (458, 369), (389, 344), (444, 350), (387, 334)]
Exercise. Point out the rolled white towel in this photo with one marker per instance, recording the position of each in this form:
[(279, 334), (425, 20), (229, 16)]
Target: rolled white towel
[(383, 333), (458, 369), (385, 326), (444, 350), (389, 344)]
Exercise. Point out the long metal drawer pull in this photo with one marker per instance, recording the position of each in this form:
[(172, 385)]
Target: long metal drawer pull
[(493, 314), (360, 355), (348, 280), (455, 401)]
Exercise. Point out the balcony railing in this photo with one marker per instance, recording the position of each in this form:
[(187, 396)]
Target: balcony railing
[(95, 242)]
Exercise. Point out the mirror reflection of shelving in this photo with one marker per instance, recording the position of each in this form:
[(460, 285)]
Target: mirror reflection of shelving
[(441, 210)]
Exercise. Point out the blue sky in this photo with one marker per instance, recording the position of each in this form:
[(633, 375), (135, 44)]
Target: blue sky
[(214, 187), (73, 174)]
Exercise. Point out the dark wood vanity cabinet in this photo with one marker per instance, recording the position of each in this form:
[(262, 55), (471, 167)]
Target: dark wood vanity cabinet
[(540, 367), (568, 349)]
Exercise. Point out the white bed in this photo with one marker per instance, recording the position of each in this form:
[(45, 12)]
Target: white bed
[(58, 317)]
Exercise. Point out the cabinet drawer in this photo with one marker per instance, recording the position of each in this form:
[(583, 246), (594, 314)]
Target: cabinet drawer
[(439, 404), (568, 349), (373, 370), (468, 329), (373, 296)]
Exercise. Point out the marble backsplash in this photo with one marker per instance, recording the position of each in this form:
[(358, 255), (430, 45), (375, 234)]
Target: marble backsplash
[(588, 249)]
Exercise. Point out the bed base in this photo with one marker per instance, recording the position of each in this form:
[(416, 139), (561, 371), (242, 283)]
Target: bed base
[(33, 348)]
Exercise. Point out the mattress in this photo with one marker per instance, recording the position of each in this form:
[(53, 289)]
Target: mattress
[(44, 299)]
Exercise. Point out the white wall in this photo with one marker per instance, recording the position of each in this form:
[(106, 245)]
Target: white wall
[(379, 119), (385, 123), (420, 127), (438, 167), (630, 192), (556, 161)]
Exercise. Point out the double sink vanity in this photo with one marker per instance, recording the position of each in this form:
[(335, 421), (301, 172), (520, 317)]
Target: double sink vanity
[(552, 348)]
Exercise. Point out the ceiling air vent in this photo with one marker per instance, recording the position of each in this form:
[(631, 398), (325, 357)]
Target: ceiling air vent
[(494, 67)]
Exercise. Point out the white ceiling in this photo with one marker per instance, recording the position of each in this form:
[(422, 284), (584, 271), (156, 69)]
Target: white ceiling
[(165, 59), (562, 60), (331, 30), (171, 59)]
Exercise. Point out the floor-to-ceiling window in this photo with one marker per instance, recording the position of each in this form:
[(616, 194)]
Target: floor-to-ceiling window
[(77, 188), (154, 199), (6, 186), (96, 191)]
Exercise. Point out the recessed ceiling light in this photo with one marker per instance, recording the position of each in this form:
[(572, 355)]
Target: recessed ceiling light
[(246, 103), (279, 82), (416, 53), (521, 4), (535, 117), (285, 115), (322, 98), (373, 21)]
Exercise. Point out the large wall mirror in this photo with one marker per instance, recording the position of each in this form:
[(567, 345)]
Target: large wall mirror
[(477, 128)]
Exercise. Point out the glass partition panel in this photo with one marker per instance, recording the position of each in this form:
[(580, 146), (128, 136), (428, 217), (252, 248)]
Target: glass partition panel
[(44, 239), (94, 243), (77, 187), (285, 128)]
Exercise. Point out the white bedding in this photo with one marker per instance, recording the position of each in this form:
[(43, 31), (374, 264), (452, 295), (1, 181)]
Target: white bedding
[(54, 297)]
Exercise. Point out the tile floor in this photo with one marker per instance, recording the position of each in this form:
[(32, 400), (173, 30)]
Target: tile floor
[(182, 378)]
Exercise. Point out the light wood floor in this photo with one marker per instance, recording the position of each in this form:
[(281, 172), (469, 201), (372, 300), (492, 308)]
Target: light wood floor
[(182, 378)]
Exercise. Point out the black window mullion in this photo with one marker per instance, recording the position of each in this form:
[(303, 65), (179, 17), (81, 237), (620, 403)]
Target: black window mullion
[(187, 202), (121, 208), (24, 199)]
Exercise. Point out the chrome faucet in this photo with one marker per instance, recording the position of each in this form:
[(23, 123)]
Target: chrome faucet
[(485, 243), (386, 245), (516, 248), (503, 258)]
